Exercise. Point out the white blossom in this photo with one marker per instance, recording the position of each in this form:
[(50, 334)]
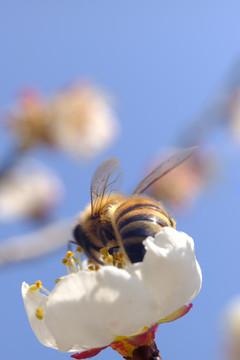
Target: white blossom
[(89, 309), (29, 190), (231, 329), (78, 120), (84, 122)]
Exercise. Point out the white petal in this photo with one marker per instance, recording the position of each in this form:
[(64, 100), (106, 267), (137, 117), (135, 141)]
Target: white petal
[(32, 300), (92, 308), (169, 270)]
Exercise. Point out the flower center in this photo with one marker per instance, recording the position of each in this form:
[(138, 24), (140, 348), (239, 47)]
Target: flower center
[(74, 264), (115, 258)]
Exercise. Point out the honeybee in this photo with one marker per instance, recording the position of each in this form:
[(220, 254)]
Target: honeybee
[(120, 223)]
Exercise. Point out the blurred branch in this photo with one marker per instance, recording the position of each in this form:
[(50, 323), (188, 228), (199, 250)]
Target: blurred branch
[(37, 243), (216, 112)]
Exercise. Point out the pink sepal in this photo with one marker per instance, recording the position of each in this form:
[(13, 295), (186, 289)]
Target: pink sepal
[(88, 353), (176, 314)]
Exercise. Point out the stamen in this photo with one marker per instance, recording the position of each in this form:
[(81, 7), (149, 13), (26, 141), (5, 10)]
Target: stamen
[(68, 270), (73, 262), (93, 267), (118, 256), (34, 287), (79, 249), (108, 259), (39, 313), (104, 251), (37, 286), (45, 290), (79, 260), (64, 261), (38, 283), (69, 254)]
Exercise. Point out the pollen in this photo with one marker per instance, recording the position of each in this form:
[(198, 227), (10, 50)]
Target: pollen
[(93, 267), (79, 249), (64, 261), (36, 286), (33, 287), (104, 251), (118, 256), (108, 259), (39, 313), (69, 254), (38, 283)]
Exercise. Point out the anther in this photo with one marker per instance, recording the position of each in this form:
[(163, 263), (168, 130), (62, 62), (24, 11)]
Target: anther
[(33, 287), (39, 313), (108, 259), (38, 283), (69, 254), (36, 286), (104, 251)]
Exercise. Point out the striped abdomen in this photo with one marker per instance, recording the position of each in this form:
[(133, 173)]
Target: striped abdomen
[(137, 219)]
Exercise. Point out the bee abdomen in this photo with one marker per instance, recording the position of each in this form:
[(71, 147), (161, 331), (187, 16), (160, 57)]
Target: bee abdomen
[(135, 221)]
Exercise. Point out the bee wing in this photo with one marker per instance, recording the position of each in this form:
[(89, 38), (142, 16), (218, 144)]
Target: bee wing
[(102, 182), (164, 167)]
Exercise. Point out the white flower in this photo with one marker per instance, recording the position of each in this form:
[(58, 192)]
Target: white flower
[(89, 309), (84, 122), (29, 190), (231, 328), (78, 120), (232, 317)]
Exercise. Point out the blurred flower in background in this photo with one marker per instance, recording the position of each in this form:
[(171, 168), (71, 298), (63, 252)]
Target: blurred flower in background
[(180, 187), (231, 330), (84, 123), (30, 121), (78, 120), (29, 190)]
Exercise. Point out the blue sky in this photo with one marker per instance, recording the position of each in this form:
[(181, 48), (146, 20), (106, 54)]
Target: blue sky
[(162, 61)]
